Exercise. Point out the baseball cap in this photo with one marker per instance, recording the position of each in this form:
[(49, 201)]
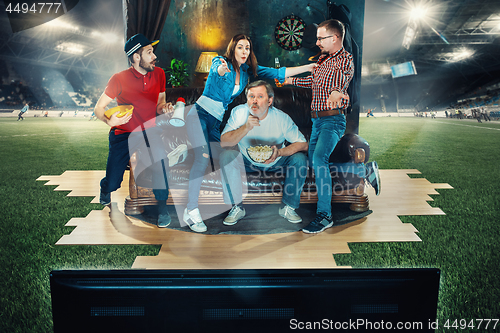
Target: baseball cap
[(136, 42)]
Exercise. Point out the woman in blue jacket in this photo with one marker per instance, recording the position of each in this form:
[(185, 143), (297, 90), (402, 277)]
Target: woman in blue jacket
[(227, 78)]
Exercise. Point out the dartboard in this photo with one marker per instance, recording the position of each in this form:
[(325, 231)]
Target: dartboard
[(289, 32)]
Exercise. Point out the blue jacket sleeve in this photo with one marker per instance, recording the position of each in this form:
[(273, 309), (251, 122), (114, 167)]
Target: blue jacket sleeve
[(216, 62), (272, 73), (217, 87)]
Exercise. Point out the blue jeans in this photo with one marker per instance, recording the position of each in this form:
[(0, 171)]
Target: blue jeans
[(294, 167), (326, 133), (119, 157), (204, 134)]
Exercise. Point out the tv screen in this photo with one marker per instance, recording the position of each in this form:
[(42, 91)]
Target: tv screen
[(404, 69), (244, 300)]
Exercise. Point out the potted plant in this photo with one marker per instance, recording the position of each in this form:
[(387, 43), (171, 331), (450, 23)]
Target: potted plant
[(177, 73)]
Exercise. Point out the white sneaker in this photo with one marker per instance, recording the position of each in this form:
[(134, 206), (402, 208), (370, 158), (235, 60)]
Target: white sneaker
[(289, 213), (194, 221), (178, 155), (235, 214)]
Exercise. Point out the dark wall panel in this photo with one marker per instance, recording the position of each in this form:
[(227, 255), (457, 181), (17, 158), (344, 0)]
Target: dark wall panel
[(207, 25)]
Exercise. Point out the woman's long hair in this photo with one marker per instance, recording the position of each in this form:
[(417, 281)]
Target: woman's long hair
[(230, 51)]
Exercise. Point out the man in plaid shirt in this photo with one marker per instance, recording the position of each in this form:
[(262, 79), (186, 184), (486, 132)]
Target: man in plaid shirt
[(329, 82)]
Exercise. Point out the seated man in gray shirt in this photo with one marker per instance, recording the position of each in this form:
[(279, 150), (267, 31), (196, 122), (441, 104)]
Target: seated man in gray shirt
[(258, 123)]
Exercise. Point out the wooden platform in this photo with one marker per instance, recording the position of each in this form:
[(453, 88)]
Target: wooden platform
[(400, 195)]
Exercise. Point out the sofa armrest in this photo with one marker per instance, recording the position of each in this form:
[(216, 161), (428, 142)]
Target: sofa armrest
[(351, 148), (359, 155)]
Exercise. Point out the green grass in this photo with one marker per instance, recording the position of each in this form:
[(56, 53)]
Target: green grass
[(34, 215), (463, 243)]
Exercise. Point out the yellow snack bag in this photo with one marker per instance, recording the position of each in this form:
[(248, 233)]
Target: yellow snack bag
[(123, 109)]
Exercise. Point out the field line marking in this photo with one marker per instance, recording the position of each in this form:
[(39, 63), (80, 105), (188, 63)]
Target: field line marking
[(443, 122)]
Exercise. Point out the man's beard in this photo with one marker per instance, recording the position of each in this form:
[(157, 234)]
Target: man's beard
[(147, 67)]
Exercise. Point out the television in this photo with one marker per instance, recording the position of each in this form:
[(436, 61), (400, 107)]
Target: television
[(265, 300), (403, 69)]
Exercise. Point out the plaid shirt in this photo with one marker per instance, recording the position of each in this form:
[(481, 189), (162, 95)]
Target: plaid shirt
[(334, 72)]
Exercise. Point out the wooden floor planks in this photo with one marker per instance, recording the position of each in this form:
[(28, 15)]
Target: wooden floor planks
[(400, 195)]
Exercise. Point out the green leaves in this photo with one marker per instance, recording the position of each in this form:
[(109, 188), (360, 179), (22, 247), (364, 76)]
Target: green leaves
[(177, 73)]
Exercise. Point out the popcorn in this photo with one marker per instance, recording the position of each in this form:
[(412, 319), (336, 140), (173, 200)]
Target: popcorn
[(260, 154)]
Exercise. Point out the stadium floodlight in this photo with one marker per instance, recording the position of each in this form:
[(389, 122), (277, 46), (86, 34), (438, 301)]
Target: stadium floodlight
[(59, 24), (410, 34), (68, 47), (461, 54), (107, 37), (385, 69), (110, 37), (365, 71), (418, 13)]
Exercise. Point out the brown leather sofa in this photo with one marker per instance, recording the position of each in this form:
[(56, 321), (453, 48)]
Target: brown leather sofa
[(347, 188)]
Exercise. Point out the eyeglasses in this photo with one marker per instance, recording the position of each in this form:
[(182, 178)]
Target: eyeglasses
[(321, 38)]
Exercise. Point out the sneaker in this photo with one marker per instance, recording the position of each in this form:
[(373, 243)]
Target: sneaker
[(373, 176), (235, 214), (178, 155), (320, 223), (105, 198), (194, 221), (164, 218), (289, 213)]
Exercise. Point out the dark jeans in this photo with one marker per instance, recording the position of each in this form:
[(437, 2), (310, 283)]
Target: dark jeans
[(119, 157)]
